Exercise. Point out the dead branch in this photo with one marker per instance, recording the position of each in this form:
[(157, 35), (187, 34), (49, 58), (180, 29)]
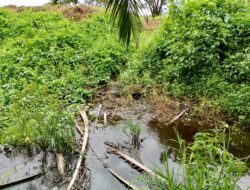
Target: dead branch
[(20, 180), (177, 117), (78, 129), (131, 186), (84, 144)]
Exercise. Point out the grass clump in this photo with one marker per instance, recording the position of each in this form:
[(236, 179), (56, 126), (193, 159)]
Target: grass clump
[(202, 52), (135, 131), (205, 164)]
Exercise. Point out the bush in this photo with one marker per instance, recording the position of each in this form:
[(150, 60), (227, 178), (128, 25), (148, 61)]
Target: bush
[(38, 118), (203, 50)]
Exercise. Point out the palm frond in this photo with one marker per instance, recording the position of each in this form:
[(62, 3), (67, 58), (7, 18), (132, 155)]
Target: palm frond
[(127, 15)]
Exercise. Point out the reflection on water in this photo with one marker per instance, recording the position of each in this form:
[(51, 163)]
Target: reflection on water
[(156, 137), (240, 140)]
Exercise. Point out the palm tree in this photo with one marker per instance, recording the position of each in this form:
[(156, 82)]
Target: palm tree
[(127, 15)]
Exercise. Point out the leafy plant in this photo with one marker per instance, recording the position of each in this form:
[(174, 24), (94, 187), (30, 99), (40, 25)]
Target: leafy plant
[(48, 64), (202, 52)]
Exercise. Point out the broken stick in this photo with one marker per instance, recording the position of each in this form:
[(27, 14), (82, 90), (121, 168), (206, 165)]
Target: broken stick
[(105, 118), (60, 163), (84, 144), (98, 113), (177, 117), (20, 181)]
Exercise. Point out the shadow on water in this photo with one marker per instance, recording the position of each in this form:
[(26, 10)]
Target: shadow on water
[(240, 139), (167, 134)]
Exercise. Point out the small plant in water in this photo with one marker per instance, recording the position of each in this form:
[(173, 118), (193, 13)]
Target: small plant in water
[(135, 131)]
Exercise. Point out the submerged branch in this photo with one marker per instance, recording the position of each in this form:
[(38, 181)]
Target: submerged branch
[(20, 180), (131, 186)]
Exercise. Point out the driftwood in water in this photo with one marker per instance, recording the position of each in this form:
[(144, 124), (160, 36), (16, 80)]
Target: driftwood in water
[(177, 117), (112, 172), (117, 151), (129, 185), (84, 144), (105, 118), (20, 181), (98, 113), (60, 163)]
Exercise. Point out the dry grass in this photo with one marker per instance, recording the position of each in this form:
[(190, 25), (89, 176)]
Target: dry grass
[(78, 13), (152, 24), (75, 13), (164, 109)]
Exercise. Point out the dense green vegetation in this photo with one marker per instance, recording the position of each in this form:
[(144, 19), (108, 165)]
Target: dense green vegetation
[(47, 65), (201, 52)]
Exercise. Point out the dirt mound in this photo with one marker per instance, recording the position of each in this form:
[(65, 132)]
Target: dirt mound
[(77, 13), (15, 8)]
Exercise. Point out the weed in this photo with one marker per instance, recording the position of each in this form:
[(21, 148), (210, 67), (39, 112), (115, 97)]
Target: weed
[(135, 131)]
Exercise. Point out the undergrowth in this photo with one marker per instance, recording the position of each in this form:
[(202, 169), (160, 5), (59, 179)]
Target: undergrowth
[(203, 53), (47, 64)]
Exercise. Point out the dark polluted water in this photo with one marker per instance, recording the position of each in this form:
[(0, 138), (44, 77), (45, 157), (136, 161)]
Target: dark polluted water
[(240, 139), (149, 154), (155, 138)]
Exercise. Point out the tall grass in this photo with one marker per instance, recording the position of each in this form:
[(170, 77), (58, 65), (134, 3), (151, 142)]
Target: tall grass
[(135, 131), (205, 164)]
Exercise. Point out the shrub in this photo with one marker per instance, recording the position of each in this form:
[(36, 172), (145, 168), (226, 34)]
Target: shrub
[(202, 51)]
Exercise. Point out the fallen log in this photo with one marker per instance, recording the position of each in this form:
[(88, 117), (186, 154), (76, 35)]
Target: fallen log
[(20, 181), (84, 144), (129, 159), (177, 117), (129, 185)]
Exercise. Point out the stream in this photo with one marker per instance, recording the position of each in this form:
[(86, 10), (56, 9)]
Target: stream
[(155, 138)]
